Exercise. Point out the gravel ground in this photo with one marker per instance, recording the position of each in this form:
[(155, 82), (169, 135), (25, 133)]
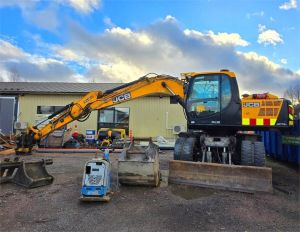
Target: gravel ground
[(167, 208)]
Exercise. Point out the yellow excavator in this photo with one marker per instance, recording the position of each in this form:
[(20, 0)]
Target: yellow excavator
[(215, 151), (109, 136)]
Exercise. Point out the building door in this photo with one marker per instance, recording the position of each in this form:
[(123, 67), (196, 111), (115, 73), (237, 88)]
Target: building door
[(114, 117), (7, 110)]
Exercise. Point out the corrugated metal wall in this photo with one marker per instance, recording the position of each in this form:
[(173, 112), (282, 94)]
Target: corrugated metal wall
[(153, 116), (149, 116), (28, 108)]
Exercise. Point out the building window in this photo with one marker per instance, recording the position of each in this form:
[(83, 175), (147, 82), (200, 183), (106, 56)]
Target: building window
[(48, 109), (115, 117)]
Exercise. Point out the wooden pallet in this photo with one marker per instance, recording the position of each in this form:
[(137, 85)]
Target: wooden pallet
[(8, 152)]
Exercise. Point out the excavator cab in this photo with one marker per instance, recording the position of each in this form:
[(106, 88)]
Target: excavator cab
[(212, 100)]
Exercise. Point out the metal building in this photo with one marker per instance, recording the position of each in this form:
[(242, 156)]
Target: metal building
[(34, 101)]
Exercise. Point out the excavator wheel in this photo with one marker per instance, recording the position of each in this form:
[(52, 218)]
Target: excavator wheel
[(188, 149), (247, 153), (259, 154), (178, 147)]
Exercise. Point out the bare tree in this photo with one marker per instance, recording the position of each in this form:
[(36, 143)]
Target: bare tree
[(93, 80), (14, 75), (293, 93)]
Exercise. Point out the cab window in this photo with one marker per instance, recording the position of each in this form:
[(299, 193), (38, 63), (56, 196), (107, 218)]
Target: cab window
[(226, 91), (204, 95)]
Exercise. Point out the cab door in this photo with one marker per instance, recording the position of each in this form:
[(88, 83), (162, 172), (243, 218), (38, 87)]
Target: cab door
[(213, 99), (203, 102)]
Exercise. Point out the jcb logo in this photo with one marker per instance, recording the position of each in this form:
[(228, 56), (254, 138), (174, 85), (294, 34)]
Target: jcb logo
[(251, 104), (123, 97)]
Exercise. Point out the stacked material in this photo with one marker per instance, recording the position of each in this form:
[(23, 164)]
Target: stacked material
[(7, 144), (56, 139)]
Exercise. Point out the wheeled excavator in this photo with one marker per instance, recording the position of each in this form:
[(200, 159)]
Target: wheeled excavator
[(217, 150)]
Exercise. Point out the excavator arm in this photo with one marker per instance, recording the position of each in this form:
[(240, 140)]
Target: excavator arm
[(80, 110)]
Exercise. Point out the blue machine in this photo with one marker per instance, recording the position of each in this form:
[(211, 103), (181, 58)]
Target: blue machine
[(96, 183)]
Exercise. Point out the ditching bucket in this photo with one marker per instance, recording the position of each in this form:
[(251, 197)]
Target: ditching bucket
[(139, 165), (221, 176), (30, 174)]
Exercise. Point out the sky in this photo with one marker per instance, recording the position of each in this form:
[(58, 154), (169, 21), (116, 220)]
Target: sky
[(120, 41)]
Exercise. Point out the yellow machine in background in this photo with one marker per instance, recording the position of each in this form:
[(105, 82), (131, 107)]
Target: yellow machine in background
[(264, 110), (106, 136)]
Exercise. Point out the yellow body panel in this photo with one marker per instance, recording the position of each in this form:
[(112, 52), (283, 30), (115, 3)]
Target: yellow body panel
[(261, 112), (192, 74)]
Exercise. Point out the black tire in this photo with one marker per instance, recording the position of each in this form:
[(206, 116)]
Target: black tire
[(247, 153), (188, 149), (259, 154), (178, 147)]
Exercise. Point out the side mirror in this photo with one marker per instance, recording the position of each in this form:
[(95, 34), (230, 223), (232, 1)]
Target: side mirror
[(185, 88), (174, 99)]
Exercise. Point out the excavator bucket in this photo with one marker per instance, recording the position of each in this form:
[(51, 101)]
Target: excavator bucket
[(222, 176), (28, 174), (139, 165)]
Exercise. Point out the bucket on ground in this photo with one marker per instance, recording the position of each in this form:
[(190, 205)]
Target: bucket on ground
[(30, 174), (138, 164)]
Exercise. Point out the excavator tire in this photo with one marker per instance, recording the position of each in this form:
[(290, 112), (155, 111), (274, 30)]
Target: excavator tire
[(178, 147), (188, 148), (259, 154), (247, 153)]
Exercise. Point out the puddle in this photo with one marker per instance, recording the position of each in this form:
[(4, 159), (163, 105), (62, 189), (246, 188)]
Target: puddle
[(191, 192)]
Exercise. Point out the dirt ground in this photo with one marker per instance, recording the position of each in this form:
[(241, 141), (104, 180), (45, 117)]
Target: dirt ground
[(57, 207)]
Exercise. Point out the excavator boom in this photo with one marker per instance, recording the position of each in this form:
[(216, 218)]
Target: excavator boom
[(97, 100)]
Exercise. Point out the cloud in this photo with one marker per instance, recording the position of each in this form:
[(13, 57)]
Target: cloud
[(164, 47), (291, 4), (123, 56), (10, 52), (170, 18), (222, 38), (283, 61), (83, 6), (261, 27), (117, 68), (108, 22), (16, 63), (21, 4), (46, 16), (255, 14), (268, 36), (127, 33)]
